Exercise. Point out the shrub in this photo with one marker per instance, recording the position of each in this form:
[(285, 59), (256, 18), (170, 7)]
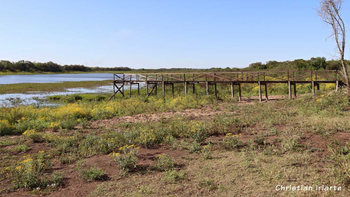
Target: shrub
[(89, 146), (55, 126), (68, 124), (198, 132), (208, 183), (67, 158), (111, 142), (206, 152), (29, 172), (150, 137), (164, 162), (5, 127), (173, 176), (21, 148), (195, 147), (33, 135), (127, 159), (232, 142), (93, 174)]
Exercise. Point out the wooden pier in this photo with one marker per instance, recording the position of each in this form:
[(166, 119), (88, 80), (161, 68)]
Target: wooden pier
[(291, 78)]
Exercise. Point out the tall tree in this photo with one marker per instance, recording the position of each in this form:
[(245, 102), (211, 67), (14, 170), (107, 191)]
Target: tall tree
[(330, 13)]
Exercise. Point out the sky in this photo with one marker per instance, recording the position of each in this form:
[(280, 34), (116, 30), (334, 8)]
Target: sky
[(165, 33)]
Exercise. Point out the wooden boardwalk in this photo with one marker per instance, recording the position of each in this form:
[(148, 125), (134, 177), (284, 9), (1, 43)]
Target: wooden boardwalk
[(153, 80)]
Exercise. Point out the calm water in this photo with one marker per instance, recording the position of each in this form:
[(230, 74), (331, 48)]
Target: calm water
[(54, 78), (39, 97)]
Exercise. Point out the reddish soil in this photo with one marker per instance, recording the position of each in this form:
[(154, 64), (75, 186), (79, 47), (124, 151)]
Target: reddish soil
[(74, 185), (195, 113)]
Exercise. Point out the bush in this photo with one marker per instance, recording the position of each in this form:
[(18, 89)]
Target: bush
[(232, 142), (29, 172), (21, 148), (173, 176), (127, 159), (206, 152), (93, 174), (195, 147), (164, 162), (5, 128), (198, 132), (33, 135)]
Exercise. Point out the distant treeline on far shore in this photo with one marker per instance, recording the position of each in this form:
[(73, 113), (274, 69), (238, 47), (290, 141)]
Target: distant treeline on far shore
[(27, 66), (318, 63)]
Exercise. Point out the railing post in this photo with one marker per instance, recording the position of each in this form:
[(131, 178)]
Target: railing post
[(146, 85), (130, 86), (260, 97), (215, 87), (163, 87), (232, 90), (289, 90), (114, 86), (123, 83)]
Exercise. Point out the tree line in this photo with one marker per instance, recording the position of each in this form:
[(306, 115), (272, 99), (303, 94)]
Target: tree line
[(318, 63), (27, 66)]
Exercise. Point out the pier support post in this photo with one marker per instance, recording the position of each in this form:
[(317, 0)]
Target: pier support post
[(163, 88), (207, 87), (173, 89), (130, 85), (318, 86), (156, 88), (186, 88), (239, 92), (295, 90), (289, 90), (232, 90), (313, 87), (266, 96), (138, 88), (336, 86), (259, 83), (123, 84), (146, 87), (114, 86), (216, 91), (194, 88)]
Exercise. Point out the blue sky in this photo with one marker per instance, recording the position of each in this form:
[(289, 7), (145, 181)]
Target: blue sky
[(164, 33)]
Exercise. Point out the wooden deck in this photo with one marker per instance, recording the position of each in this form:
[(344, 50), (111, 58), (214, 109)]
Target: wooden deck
[(153, 80)]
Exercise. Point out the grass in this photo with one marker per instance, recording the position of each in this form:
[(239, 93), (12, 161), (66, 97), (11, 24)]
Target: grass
[(49, 87), (233, 149)]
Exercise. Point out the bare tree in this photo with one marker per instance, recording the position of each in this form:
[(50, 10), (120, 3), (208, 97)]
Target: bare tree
[(330, 13)]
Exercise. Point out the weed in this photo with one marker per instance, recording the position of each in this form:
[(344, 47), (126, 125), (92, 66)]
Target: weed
[(231, 142), (93, 174), (127, 159), (206, 152), (173, 176), (208, 183), (164, 162), (33, 135), (21, 148)]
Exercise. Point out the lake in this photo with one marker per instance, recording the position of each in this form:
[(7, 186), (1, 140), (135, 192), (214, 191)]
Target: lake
[(54, 78), (37, 97)]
